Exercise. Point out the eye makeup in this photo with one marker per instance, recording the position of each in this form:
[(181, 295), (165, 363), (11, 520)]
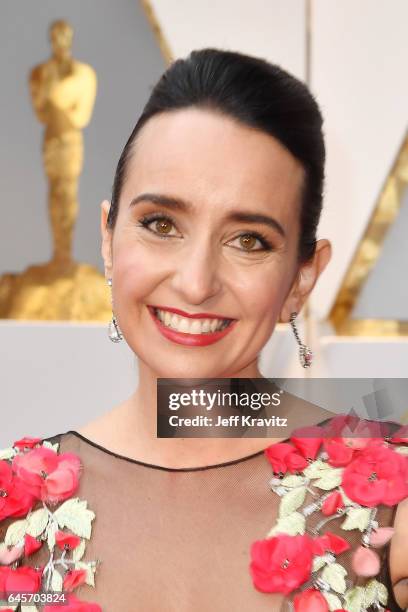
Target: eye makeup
[(147, 219)]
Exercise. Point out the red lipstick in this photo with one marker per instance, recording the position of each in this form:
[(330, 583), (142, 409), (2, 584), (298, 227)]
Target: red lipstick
[(190, 339), (199, 315)]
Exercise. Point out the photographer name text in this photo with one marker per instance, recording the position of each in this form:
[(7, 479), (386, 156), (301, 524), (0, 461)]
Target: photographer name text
[(231, 421)]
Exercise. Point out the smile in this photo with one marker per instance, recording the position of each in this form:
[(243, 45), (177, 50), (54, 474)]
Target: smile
[(191, 331)]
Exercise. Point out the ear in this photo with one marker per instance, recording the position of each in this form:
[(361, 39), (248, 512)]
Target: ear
[(106, 247), (305, 280)]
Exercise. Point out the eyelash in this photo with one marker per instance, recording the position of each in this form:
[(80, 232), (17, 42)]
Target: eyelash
[(147, 219)]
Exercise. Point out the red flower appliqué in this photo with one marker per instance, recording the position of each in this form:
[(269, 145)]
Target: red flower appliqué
[(351, 435), (15, 499), (283, 457), (66, 540), (20, 579), (308, 440), (74, 578), (74, 605), (26, 442), (32, 473), (347, 464), (282, 563), (310, 600), (377, 475)]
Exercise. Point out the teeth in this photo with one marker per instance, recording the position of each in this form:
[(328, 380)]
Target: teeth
[(195, 327), (182, 326), (205, 325), (175, 320), (190, 326)]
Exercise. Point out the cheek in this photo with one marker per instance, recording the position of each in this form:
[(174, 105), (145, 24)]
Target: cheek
[(261, 294), (134, 275)]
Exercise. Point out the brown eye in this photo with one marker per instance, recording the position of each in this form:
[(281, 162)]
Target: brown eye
[(158, 224), (163, 226), (248, 241)]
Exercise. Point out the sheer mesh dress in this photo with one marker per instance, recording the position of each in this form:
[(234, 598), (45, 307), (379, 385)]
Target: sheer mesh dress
[(178, 540)]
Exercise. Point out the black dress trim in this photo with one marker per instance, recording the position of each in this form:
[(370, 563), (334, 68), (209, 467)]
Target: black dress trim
[(162, 467)]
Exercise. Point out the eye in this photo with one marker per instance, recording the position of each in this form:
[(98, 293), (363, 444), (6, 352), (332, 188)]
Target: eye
[(248, 240), (162, 224)]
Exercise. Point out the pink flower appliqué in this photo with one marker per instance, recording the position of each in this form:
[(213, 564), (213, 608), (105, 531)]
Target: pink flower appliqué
[(377, 475), (365, 562), (282, 563), (47, 475), (8, 556)]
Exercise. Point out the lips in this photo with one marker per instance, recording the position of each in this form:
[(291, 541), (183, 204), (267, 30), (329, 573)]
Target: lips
[(190, 339), (200, 315)]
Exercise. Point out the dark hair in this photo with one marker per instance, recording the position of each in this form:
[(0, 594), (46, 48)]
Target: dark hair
[(258, 94)]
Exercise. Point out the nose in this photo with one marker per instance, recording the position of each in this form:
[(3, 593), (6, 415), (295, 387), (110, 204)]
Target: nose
[(197, 274)]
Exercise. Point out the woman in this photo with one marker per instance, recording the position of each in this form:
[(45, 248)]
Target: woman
[(214, 212)]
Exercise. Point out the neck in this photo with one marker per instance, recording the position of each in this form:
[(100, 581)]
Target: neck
[(135, 426)]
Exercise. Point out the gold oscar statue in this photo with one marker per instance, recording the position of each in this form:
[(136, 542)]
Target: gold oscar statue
[(63, 93)]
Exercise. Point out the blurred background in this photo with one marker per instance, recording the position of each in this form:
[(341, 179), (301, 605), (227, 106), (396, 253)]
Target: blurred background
[(58, 367)]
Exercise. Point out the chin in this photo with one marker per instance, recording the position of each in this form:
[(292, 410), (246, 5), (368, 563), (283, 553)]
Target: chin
[(180, 367)]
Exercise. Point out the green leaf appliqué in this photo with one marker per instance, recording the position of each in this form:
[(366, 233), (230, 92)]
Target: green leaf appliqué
[(375, 592), (292, 501), (330, 479), (354, 599), (357, 518), (37, 522), (292, 524), (334, 575), (16, 532), (74, 514), (333, 601)]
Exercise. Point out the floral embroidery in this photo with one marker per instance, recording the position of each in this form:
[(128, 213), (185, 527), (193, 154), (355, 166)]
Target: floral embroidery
[(378, 475), (38, 483), (349, 467), (281, 564)]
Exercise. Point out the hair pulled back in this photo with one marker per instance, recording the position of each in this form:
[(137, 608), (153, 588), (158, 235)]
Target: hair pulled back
[(256, 93)]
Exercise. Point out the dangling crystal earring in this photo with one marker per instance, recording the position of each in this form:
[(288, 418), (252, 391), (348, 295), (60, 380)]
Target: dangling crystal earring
[(305, 354), (114, 331)]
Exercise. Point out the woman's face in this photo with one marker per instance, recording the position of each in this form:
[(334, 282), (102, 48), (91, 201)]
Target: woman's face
[(191, 174)]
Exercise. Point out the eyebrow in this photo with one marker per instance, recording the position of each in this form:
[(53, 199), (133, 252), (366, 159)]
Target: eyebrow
[(233, 215)]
